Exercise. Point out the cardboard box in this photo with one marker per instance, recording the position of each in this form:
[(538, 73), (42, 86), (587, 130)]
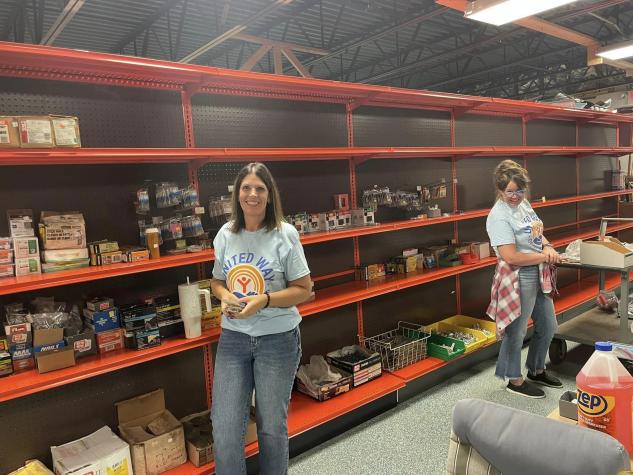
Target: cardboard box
[(99, 303), (4, 344), (5, 243), (48, 339), (55, 359), (36, 131), (156, 437), (32, 467), (566, 407), (370, 272), (6, 363), (608, 253), (18, 334), (406, 265), (25, 364), (28, 266), (20, 224), (84, 343), (107, 258), (480, 249), (64, 255), (6, 256), (102, 320), (362, 217), (24, 247), (363, 370), (9, 132), (101, 452), (65, 131), (328, 390), (7, 270)]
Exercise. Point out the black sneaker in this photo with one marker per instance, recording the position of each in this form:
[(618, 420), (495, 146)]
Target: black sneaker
[(545, 379), (526, 389)]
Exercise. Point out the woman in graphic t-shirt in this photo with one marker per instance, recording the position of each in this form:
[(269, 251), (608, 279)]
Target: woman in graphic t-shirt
[(260, 274), (521, 282)]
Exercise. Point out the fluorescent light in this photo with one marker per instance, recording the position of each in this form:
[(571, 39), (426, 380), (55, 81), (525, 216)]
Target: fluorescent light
[(500, 12), (617, 51)]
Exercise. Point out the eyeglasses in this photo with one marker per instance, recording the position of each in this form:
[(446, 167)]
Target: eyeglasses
[(515, 194)]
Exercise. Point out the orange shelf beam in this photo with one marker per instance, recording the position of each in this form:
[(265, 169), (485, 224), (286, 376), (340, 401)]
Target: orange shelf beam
[(12, 285), (30, 382), (98, 156), (45, 62)]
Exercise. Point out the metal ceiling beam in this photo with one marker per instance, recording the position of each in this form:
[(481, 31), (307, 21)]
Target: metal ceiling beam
[(235, 30), (144, 25), (278, 44), (376, 36), (67, 14), (13, 15)]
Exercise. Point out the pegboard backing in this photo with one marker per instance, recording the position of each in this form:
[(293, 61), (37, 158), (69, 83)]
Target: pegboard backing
[(60, 415), (472, 130), (103, 193), (330, 257), (108, 116), (475, 189), (472, 230), (596, 135), (328, 331), (542, 171), (475, 289), (558, 133), (383, 127), (423, 304), (235, 121), (595, 175)]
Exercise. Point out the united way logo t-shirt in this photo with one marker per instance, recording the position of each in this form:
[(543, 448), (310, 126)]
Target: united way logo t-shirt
[(518, 225), (252, 263)]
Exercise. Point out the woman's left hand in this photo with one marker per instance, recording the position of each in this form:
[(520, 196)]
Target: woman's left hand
[(254, 303), (553, 257)]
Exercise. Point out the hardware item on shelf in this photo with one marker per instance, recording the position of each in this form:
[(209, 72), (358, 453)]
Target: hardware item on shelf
[(65, 131), (171, 229), (313, 222), (152, 238), (472, 339), (370, 272), (5, 243), (141, 326), (190, 197), (62, 230), (28, 266), (99, 303), (167, 195), (480, 249), (48, 339), (432, 191), (105, 245), (24, 247), (434, 211), (377, 196), (9, 132), (199, 437), (22, 357), (6, 363), (64, 255), (343, 219), (364, 365), (7, 270), (399, 347), (320, 380), (4, 344), (142, 339), (111, 340), (134, 253), (83, 343), (412, 251), (32, 467), (100, 452), (328, 221), (157, 438), (362, 217), (36, 131), (192, 226), (20, 223), (51, 352), (341, 202), (46, 268), (168, 316), (107, 258), (299, 221), (142, 201), (405, 265), (220, 209), (445, 348), (102, 320)]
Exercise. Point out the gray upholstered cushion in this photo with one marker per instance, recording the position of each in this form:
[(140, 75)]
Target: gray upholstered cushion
[(519, 443)]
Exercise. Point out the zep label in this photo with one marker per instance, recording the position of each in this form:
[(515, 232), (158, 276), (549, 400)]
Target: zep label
[(596, 411)]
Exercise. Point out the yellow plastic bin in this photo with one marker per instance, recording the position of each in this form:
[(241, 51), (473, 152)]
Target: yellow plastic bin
[(470, 322), (443, 327)]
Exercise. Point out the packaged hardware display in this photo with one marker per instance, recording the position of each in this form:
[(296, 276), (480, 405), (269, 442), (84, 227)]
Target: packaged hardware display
[(134, 253), (36, 131), (64, 255), (57, 267), (199, 437), (65, 131), (101, 452), (168, 194), (28, 266), (62, 230), (111, 340), (7, 270), (9, 132), (102, 320), (83, 343), (20, 222), (5, 243), (341, 202), (364, 365), (321, 381), (99, 303), (6, 363), (32, 467), (97, 247), (24, 247), (142, 201)]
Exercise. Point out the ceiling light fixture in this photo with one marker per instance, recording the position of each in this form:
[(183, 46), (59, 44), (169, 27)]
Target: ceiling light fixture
[(617, 51), (500, 12)]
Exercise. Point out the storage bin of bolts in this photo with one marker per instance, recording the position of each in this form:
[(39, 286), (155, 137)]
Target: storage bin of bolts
[(467, 338)]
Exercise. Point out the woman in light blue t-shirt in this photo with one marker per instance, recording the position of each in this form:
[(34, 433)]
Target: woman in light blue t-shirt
[(260, 274), (516, 234)]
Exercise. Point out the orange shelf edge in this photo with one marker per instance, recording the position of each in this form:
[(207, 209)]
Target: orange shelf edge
[(29, 382), (11, 285)]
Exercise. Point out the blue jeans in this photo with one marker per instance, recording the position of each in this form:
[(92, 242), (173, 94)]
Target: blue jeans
[(267, 364), (541, 307)]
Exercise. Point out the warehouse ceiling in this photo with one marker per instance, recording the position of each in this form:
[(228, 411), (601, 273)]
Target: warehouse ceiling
[(416, 44)]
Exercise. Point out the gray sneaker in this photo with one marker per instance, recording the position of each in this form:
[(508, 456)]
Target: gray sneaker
[(526, 389)]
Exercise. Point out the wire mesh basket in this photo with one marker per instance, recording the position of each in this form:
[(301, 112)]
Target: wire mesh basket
[(400, 347)]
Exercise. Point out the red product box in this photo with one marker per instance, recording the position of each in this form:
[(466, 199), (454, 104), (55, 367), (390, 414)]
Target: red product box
[(23, 365), (18, 334), (341, 202), (111, 340)]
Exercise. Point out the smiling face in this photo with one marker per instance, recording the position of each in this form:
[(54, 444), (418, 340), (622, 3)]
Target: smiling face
[(253, 198), (512, 195)]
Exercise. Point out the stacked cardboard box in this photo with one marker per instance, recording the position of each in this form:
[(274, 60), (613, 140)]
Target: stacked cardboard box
[(63, 236), (39, 131)]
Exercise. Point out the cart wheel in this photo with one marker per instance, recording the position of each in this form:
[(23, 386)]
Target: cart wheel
[(557, 351)]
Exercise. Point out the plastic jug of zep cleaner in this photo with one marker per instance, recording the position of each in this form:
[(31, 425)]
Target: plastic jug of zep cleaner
[(605, 395)]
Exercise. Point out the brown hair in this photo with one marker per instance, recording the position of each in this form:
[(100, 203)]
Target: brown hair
[(274, 212), (508, 171)]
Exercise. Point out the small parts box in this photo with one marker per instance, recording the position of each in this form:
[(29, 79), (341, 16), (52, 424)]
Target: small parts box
[(156, 437), (9, 132), (111, 340), (84, 343), (364, 365), (51, 352), (445, 348), (102, 320), (310, 380)]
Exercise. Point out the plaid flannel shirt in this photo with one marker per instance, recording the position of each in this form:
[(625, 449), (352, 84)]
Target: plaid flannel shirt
[(505, 297)]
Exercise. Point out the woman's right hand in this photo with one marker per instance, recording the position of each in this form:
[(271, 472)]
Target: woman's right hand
[(229, 300)]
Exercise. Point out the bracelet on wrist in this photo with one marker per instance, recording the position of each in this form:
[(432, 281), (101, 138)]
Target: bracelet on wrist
[(267, 299)]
